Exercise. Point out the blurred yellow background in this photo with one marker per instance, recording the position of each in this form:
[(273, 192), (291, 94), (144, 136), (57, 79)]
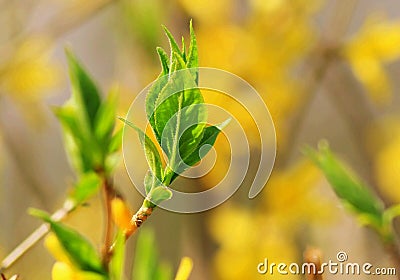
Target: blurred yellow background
[(326, 70)]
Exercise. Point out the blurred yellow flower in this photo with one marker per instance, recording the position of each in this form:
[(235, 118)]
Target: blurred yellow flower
[(121, 214), (292, 197), (265, 45), (377, 43), (30, 73), (268, 230), (208, 11), (63, 271), (387, 164), (185, 268), (245, 238)]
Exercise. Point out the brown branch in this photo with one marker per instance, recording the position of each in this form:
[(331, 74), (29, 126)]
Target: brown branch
[(139, 218), (108, 195), (313, 256)]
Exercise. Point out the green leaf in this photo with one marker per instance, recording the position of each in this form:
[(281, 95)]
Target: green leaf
[(173, 45), (164, 61), (165, 82), (163, 272), (159, 194), (87, 186), (150, 182), (146, 264), (118, 258), (348, 187), (78, 248), (207, 141), (151, 99), (180, 62), (105, 120), (193, 55), (77, 139), (183, 49), (84, 90), (115, 142), (180, 117), (152, 155)]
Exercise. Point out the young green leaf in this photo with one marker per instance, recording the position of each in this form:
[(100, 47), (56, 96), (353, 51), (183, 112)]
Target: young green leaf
[(150, 182), (87, 186), (105, 120), (118, 257), (164, 61), (151, 100), (78, 248), (180, 118), (115, 142), (183, 49), (77, 139), (159, 194), (84, 90), (152, 155), (87, 121), (193, 56), (348, 187), (174, 46), (204, 146)]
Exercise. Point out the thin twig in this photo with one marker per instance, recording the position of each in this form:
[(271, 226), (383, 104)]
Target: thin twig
[(325, 52), (33, 238)]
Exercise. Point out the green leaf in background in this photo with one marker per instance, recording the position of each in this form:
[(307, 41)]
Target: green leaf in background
[(88, 122), (147, 265), (79, 249), (348, 187), (87, 186), (76, 139), (85, 93), (115, 142), (118, 257), (105, 119)]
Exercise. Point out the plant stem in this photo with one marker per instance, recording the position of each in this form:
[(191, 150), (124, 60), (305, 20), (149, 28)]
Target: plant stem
[(108, 195), (140, 217), (314, 256)]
